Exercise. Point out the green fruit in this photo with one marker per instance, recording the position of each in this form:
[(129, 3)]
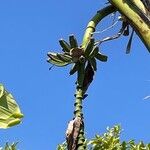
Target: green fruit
[(63, 57), (53, 59), (73, 41), (59, 64), (94, 52), (93, 63), (66, 47), (101, 57), (53, 56), (89, 47), (74, 68)]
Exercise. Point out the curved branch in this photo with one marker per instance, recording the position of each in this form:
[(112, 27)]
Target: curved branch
[(135, 13), (136, 17), (94, 21)]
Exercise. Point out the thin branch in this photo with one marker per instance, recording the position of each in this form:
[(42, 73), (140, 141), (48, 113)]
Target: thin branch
[(115, 36), (136, 18), (99, 32)]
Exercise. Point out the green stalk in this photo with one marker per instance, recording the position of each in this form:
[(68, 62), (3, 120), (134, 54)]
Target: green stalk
[(81, 72), (78, 102), (123, 8), (78, 113), (94, 21), (78, 106), (136, 18)]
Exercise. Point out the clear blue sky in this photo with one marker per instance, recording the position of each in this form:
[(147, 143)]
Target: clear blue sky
[(31, 28)]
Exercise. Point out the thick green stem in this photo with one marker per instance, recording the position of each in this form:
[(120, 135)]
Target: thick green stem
[(88, 34), (78, 106), (81, 73), (136, 18), (78, 113), (78, 103), (94, 21)]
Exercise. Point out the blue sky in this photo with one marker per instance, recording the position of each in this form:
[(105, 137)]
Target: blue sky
[(28, 30)]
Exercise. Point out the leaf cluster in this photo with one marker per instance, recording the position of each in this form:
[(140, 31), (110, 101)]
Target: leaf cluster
[(76, 54), (110, 140), (9, 146)]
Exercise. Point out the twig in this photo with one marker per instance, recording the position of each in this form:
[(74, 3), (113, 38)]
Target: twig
[(98, 32), (124, 25)]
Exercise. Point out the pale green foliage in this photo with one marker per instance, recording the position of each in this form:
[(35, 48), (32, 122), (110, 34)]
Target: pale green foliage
[(10, 113), (9, 147), (111, 141), (62, 146)]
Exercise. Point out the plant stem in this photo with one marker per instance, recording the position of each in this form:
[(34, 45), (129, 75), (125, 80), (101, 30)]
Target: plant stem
[(94, 21), (121, 6), (78, 113), (81, 72), (78, 102), (136, 18), (78, 106)]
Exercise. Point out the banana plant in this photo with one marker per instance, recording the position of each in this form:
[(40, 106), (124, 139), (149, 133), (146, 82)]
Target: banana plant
[(84, 57), (84, 63)]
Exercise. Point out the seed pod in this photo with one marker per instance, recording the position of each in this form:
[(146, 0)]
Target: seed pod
[(74, 68), (101, 57), (66, 47), (89, 47), (73, 41), (94, 51)]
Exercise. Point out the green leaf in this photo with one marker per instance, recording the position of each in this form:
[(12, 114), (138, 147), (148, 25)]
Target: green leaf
[(10, 113)]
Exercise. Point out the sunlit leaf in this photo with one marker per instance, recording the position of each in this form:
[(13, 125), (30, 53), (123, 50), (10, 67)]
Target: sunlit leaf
[(10, 146), (10, 113)]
